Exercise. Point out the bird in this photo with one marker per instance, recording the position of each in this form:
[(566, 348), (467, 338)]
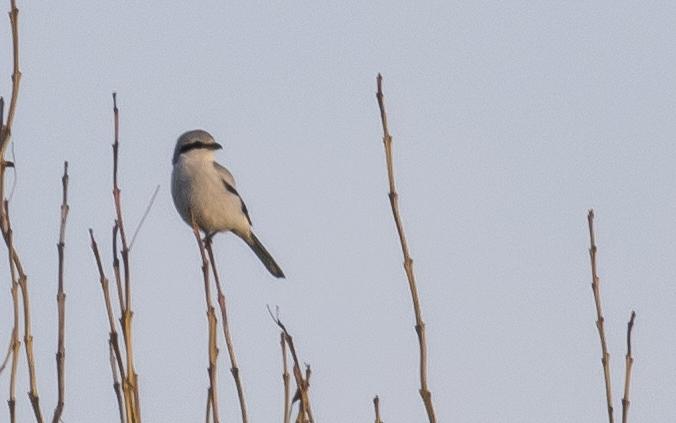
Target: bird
[(205, 192)]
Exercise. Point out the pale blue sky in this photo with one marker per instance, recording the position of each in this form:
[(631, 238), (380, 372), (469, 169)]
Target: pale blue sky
[(510, 120)]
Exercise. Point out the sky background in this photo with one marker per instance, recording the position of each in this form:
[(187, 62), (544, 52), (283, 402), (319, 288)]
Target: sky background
[(510, 121)]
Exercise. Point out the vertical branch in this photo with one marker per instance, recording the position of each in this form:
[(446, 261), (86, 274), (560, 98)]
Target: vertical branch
[(308, 409), (61, 302), (16, 75), (5, 135), (226, 332), (605, 359), (116, 270), (629, 364), (116, 382), (131, 381), (211, 317), (408, 262), (376, 405), (118, 208), (285, 378), (6, 130), (15, 344)]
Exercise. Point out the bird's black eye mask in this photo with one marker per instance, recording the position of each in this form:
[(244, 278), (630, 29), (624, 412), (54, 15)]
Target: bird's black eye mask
[(199, 144)]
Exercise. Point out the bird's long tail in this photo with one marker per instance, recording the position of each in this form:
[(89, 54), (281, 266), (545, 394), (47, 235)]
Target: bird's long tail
[(264, 256)]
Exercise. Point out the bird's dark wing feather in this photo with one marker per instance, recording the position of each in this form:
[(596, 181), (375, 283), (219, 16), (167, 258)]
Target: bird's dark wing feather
[(232, 189), (229, 183)]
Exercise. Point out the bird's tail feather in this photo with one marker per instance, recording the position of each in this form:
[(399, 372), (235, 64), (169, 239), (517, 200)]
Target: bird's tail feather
[(264, 256)]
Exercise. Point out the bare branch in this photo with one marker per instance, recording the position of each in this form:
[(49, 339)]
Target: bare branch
[(130, 386), (6, 131), (285, 378), (61, 301), (114, 359), (302, 383), (629, 364), (376, 405), (213, 340), (605, 359), (234, 369), (113, 341), (5, 135), (15, 262), (408, 262), (15, 345)]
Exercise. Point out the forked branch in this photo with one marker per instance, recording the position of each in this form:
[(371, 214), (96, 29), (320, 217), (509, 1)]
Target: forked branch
[(302, 382), (124, 364), (408, 262)]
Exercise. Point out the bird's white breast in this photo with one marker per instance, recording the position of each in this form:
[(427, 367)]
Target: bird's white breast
[(199, 193)]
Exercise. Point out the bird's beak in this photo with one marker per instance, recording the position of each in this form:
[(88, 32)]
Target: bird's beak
[(214, 146)]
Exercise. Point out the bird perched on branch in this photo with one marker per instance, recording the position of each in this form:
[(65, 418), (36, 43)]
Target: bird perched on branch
[(204, 192)]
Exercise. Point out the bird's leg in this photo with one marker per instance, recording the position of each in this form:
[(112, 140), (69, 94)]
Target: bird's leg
[(208, 238)]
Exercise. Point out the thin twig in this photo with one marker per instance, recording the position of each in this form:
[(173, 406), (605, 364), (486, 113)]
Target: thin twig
[(145, 215), (16, 344), (213, 340), (116, 381), (61, 301), (16, 78), (302, 383), (605, 359), (111, 322), (234, 369), (376, 405), (116, 270), (408, 262), (629, 364), (285, 378)]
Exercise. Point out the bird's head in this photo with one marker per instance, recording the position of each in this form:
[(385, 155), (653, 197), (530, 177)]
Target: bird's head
[(195, 142)]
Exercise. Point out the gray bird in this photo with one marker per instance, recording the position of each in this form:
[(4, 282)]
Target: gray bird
[(205, 191)]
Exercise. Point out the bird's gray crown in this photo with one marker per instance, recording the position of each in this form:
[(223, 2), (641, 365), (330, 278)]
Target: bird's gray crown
[(193, 140)]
